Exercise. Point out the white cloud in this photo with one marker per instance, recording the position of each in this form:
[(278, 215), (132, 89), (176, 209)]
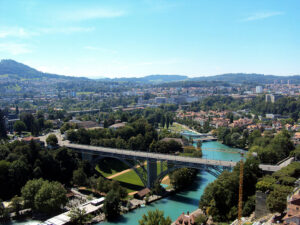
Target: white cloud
[(14, 48), (100, 49), (262, 15), (18, 32), (88, 14), (65, 30)]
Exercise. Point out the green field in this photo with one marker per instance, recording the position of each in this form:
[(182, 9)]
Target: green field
[(176, 128), (110, 166), (130, 180), (85, 92)]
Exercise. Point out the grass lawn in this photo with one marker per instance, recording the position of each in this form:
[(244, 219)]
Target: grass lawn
[(130, 180), (176, 128), (110, 166)]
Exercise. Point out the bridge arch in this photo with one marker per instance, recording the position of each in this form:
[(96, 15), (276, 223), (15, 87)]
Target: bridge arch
[(130, 165)]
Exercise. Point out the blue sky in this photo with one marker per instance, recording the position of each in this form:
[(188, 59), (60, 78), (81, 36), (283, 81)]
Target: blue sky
[(125, 38)]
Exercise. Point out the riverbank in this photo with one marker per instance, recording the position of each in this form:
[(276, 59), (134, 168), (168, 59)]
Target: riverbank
[(174, 205)]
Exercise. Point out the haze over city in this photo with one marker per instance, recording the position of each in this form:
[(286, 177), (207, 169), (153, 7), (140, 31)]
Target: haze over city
[(122, 38)]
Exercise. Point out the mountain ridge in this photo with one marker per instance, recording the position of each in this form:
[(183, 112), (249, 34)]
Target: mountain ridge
[(20, 70), (12, 67)]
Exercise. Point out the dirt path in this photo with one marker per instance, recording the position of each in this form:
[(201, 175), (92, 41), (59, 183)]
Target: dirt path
[(124, 171)]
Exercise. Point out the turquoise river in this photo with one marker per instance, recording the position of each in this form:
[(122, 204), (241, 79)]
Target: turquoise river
[(185, 201)]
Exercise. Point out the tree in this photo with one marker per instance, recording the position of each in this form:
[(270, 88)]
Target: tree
[(79, 217), (52, 140), (19, 126), (16, 204), (18, 174), (4, 151), (4, 171), (29, 191), (4, 212), (162, 121), (276, 200), (155, 217), (28, 119), (2, 126), (111, 206), (50, 197), (181, 178), (201, 219), (72, 135), (79, 177)]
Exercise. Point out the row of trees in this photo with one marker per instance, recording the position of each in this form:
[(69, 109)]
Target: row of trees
[(44, 196), (220, 198), (271, 149), (279, 185), (284, 105), (236, 137), (20, 162), (139, 135)]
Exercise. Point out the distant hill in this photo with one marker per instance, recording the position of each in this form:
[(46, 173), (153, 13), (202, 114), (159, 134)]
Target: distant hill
[(249, 78), (12, 69), (18, 70), (150, 79)]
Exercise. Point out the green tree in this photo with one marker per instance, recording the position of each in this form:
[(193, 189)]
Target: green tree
[(155, 217), (29, 191), (29, 120), (16, 204), (163, 121), (79, 217), (50, 197), (111, 206), (2, 126), (181, 178), (79, 177), (276, 200), (52, 140), (4, 212), (4, 171), (200, 220), (19, 173), (19, 126)]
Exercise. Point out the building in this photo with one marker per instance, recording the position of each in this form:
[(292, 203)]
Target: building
[(293, 209), (142, 193), (9, 124), (259, 89), (117, 125), (160, 100), (185, 219), (296, 138), (35, 139), (272, 97)]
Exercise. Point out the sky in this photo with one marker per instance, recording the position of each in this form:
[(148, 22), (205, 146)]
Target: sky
[(126, 38)]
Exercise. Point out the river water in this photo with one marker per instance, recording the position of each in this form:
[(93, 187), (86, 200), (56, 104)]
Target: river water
[(185, 201)]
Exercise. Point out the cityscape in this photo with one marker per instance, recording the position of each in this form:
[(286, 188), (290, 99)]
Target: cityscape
[(149, 112)]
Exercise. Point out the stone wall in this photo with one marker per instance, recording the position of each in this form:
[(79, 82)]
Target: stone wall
[(261, 204)]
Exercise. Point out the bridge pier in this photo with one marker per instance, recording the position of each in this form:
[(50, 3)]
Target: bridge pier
[(86, 156), (151, 172)]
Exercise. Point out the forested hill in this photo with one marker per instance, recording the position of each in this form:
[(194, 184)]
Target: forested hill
[(249, 78), (15, 70), (236, 78), (150, 79), (12, 69)]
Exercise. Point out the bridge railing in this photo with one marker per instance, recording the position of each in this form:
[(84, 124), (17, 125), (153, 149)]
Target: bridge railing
[(154, 156)]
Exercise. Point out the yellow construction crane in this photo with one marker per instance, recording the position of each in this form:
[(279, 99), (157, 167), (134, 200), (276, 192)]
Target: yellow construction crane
[(240, 205)]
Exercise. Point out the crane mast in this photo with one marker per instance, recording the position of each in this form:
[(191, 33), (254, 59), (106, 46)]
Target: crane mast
[(240, 204)]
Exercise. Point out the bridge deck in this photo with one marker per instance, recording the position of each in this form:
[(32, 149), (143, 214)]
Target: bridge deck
[(163, 157)]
